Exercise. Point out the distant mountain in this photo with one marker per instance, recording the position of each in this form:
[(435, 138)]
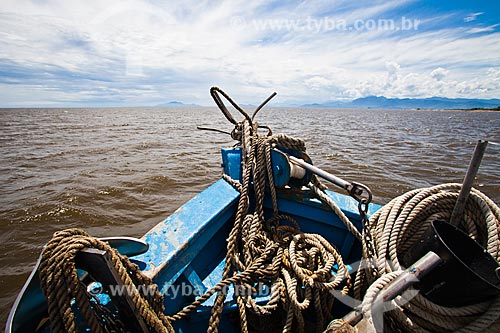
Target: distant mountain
[(174, 103), (381, 102), (331, 104)]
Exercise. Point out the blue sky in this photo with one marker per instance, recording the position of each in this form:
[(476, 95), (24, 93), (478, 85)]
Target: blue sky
[(139, 53)]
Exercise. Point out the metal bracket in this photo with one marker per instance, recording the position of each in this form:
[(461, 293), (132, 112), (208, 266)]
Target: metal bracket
[(98, 264)]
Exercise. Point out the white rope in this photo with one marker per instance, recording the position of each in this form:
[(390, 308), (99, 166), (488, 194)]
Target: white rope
[(398, 225)]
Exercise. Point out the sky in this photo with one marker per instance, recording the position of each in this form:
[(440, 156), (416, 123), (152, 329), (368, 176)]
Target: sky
[(68, 53)]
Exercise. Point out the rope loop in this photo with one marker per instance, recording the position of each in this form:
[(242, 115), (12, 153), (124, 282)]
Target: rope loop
[(394, 228), (214, 92), (60, 285), (272, 249)]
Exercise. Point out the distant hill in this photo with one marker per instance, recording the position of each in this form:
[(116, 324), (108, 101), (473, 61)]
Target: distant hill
[(174, 103), (381, 102)]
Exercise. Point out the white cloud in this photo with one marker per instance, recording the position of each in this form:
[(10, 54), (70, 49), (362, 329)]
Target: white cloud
[(318, 82), (439, 73), (137, 52), (392, 70), (477, 30), (472, 17)]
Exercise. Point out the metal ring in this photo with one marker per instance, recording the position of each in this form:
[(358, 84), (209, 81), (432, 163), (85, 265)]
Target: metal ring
[(364, 190)]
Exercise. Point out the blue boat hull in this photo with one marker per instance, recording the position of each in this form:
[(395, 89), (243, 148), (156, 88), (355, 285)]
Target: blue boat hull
[(187, 249), (186, 252)]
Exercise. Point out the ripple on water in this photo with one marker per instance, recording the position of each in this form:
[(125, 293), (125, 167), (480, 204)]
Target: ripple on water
[(121, 171)]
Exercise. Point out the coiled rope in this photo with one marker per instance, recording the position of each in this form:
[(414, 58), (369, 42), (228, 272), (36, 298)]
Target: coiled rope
[(296, 266), (401, 223), (60, 284)]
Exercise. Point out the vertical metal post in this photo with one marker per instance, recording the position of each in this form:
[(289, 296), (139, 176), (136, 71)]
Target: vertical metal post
[(475, 162)]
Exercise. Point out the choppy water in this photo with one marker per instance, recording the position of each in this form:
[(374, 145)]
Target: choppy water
[(119, 171)]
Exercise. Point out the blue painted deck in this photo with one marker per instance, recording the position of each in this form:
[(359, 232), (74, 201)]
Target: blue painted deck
[(175, 242), (188, 248)]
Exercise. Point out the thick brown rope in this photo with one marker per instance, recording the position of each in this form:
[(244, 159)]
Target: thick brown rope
[(296, 266), (60, 284)]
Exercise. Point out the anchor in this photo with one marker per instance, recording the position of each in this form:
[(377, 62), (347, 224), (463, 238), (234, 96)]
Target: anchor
[(447, 266)]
